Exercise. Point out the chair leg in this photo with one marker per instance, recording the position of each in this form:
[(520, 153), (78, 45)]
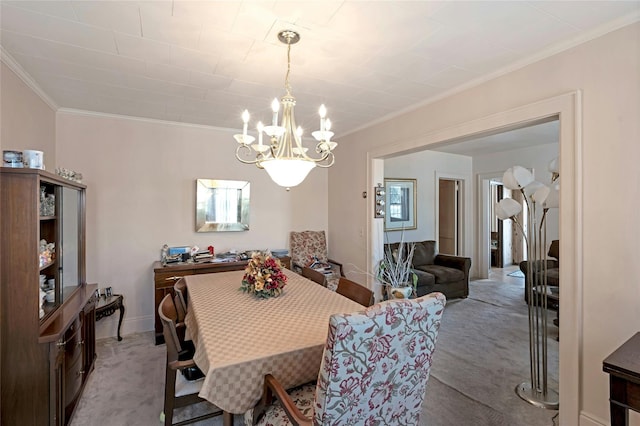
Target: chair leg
[(227, 418), (169, 395)]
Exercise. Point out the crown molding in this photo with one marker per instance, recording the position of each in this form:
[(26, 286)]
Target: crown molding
[(26, 78), (72, 111), (599, 31)]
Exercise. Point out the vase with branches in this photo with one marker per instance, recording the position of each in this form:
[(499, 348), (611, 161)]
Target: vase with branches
[(395, 271)]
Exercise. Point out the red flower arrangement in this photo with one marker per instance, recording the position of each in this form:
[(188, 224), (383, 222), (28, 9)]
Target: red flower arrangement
[(263, 276)]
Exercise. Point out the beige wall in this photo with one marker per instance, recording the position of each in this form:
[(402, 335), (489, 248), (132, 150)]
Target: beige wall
[(606, 70), (26, 122), (141, 194)]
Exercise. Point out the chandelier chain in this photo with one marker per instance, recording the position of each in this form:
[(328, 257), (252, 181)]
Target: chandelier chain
[(287, 86)]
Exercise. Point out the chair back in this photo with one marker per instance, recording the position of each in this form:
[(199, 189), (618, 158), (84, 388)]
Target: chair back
[(355, 292), (314, 275), (180, 299), (376, 363), (306, 246), (178, 391), (169, 316)]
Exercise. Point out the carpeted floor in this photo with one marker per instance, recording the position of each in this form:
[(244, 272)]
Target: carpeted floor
[(481, 356)]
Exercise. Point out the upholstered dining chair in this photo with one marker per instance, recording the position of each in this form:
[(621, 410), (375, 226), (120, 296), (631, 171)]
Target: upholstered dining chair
[(355, 292), (374, 369), (178, 391), (307, 247), (314, 275)]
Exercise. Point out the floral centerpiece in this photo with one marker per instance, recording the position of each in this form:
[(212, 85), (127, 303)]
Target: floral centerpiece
[(263, 276)]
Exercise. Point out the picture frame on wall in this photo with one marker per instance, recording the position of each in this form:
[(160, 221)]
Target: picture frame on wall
[(401, 204)]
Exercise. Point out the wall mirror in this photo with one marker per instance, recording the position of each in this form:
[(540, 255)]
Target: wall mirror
[(400, 204), (222, 205)]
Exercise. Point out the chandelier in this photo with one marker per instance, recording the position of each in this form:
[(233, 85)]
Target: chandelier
[(283, 156)]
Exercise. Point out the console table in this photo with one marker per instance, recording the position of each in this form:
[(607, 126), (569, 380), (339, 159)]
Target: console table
[(107, 305), (165, 277), (623, 366)]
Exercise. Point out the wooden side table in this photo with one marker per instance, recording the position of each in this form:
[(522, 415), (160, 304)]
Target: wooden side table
[(623, 366), (107, 305)]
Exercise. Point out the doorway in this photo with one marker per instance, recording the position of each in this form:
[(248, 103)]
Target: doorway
[(449, 215), (566, 108), (497, 232)]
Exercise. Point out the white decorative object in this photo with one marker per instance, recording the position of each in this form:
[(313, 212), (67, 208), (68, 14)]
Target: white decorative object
[(69, 174), (33, 159)]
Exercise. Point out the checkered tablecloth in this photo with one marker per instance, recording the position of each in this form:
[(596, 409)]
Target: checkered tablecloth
[(240, 338)]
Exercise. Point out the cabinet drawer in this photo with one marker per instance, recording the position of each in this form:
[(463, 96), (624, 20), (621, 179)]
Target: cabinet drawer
[(72, 382), (169, 278), (73, 346)]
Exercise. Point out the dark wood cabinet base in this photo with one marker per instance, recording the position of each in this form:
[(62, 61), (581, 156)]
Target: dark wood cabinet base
[(623, 366)]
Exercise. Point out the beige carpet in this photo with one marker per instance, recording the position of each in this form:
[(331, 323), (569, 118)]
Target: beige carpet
[(481, 355)]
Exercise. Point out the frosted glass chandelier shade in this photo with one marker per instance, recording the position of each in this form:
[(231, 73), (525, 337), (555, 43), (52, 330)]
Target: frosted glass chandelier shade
[(288, 172)]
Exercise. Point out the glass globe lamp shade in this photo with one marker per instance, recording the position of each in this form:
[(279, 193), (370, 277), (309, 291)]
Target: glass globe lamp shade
[(288, 172)]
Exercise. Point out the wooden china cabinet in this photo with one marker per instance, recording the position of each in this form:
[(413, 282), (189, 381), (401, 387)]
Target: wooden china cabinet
[(47, 349)]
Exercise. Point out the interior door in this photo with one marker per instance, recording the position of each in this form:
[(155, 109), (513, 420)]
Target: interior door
[(448, 217)]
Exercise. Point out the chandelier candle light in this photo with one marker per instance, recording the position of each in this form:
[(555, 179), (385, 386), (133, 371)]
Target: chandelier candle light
[(284, 158), (538, 198)]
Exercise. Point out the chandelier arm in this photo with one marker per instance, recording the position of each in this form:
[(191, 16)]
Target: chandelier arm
[(326, 166), (247, 148)]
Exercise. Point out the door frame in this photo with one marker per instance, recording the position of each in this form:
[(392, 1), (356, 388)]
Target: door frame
[(464, 213), (484, 223), (568, 109)]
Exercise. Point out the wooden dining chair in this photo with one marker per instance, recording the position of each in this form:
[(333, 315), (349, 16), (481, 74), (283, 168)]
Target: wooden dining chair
[(374, 369), (314, 275), (355, 292), (180, 298), (178, 391)]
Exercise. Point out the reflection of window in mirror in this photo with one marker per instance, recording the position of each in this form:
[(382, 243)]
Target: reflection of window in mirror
[(398, 204), (223, 205)]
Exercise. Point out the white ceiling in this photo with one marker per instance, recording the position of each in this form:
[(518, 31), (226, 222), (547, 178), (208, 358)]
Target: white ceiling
[(204, 62)]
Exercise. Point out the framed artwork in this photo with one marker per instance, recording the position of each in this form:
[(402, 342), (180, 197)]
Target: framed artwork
[(400, 205)]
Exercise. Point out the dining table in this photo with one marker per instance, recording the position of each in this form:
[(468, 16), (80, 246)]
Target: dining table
[(239, 337)]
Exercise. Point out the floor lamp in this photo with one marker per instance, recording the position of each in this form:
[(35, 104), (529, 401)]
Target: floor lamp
[(538, 198)]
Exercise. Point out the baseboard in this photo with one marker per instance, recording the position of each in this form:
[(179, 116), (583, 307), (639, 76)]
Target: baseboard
[(108, 326), (588, 419)]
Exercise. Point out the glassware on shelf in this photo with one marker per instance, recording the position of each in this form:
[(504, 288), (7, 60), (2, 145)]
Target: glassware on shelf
[(47, 203)]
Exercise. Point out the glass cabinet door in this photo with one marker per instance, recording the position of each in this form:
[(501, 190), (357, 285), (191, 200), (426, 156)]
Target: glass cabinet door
[(70, 234)]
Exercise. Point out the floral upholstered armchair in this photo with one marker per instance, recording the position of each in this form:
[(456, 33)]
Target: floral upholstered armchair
[(309, 247), (374, 369)]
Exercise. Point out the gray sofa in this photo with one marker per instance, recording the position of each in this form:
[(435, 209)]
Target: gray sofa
[(439, 272), (552, 272)]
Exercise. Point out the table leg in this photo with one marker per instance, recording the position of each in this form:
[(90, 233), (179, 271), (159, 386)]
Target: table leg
[(120, 320), (617, 401), (619, 414), (227, 418)]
